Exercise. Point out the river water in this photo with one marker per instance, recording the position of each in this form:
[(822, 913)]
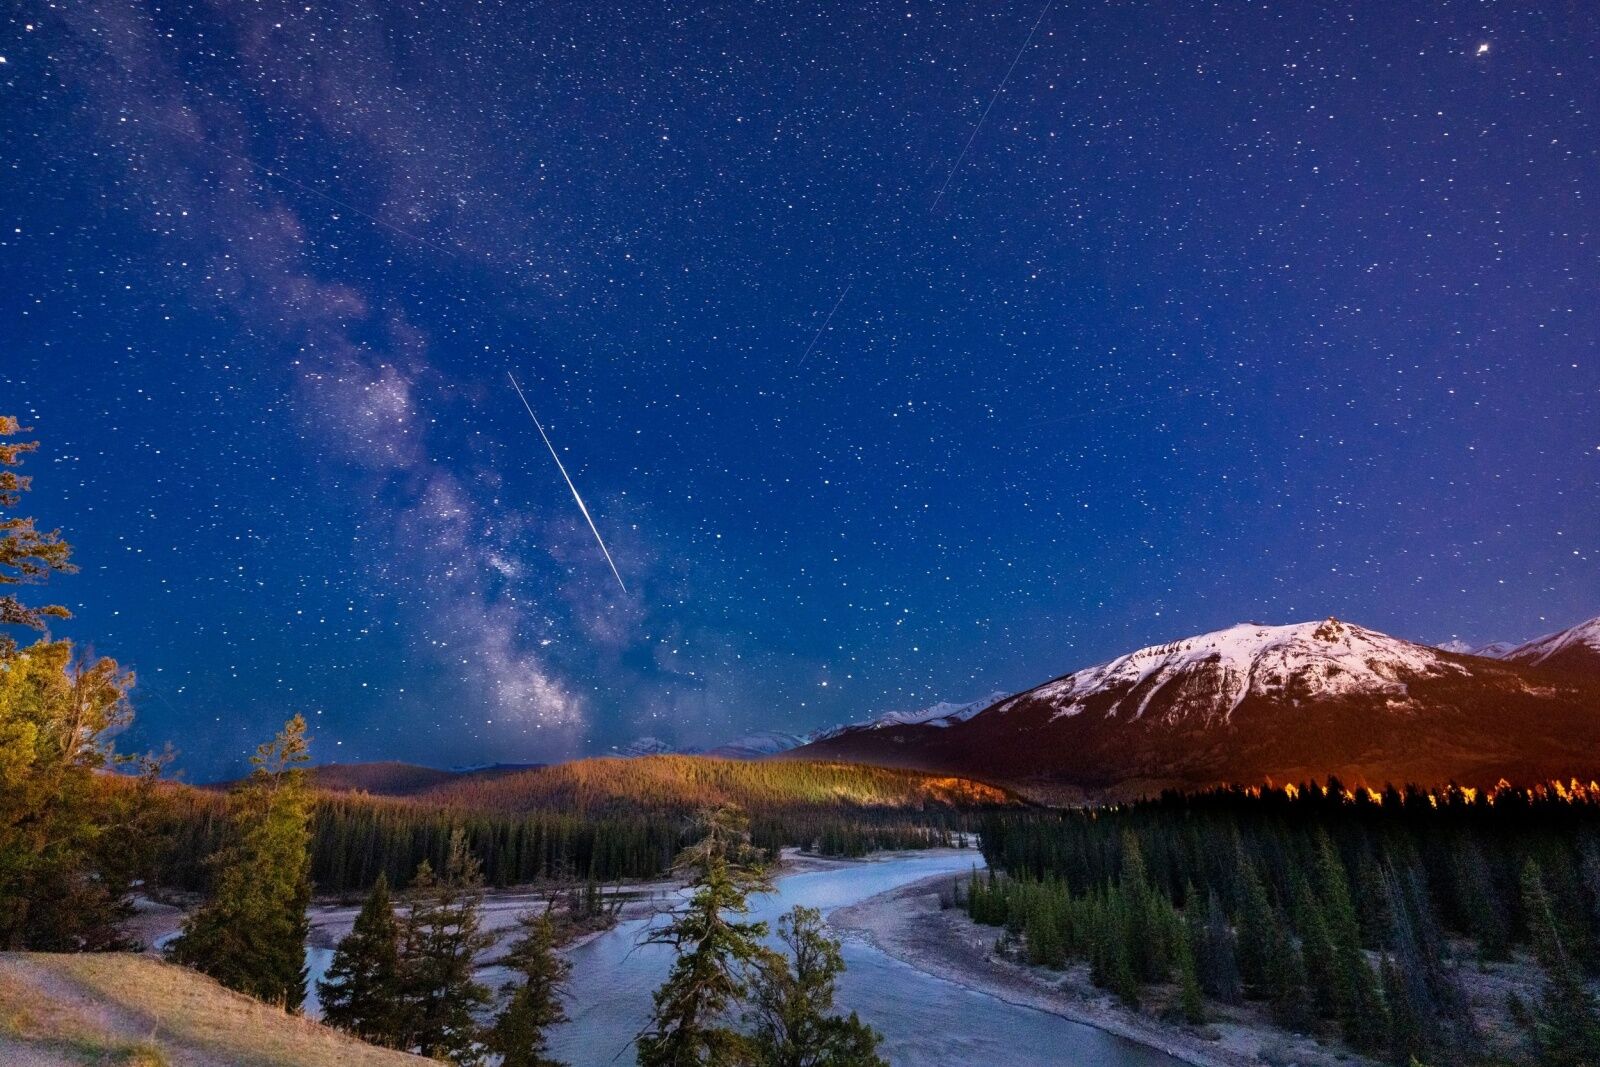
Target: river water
[(925, 1021)]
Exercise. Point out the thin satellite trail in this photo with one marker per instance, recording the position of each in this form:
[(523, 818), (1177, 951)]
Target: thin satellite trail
[(563, 469), (998, 90), (821, 329)]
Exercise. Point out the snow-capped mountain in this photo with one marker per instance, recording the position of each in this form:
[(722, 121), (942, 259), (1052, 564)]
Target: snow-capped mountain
[(944, 713), (1577, 648), (755, 746), (1214, 673), (646, 746), (1253, 702)]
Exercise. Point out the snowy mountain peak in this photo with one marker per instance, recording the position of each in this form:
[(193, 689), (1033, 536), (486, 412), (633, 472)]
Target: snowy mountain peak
[(1217, 671)]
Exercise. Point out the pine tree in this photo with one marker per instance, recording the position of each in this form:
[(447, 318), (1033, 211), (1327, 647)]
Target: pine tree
[(1478, 899), (520, 1032), (1360, 1004), (1218, 958), (1566, 1024), (1190, 996), (717, 953), (362, 991), (441, 941), (795, 1024), (251, 934), (1316, 948), (1286, 982), (64, 880), (28, 556), (1258, 932)]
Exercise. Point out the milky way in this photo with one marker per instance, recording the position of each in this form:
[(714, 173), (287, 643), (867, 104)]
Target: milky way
[(1226, 313)]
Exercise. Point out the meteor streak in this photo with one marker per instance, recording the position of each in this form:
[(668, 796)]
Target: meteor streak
[(562, 468)]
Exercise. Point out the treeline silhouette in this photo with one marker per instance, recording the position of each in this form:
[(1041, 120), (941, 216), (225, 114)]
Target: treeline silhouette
[(596, 820), (1343, 910)]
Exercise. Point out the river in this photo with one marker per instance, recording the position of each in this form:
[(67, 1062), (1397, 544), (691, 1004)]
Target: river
[(925, 1021)]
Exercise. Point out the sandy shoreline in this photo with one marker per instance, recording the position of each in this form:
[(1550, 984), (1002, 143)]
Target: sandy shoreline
[(908, 924)]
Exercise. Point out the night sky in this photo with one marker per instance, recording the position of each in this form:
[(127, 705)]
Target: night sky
[(1228, 312)]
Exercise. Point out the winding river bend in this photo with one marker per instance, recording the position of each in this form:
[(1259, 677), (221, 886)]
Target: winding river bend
[(926, 1021)]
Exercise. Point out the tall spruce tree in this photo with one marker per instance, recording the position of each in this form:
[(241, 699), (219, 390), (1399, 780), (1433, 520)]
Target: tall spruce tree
[(1218, 956), (1360, 1007), (1483, 912), (1259, 936), (361, 993), (442, 938), (718, 953), (251, 934), (793, 1003), (520, 1035), (1191, 998), (1316, 948), (1566, 1024)]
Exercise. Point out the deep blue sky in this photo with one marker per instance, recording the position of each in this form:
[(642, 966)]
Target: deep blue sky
[(1230, 312)]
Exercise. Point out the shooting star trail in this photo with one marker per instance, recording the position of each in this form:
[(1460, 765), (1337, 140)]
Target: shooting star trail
[(563, 469), (998, 90), (820, 329)]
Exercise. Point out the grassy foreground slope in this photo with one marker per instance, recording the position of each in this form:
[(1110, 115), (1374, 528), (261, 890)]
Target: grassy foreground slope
[(124, 1009)]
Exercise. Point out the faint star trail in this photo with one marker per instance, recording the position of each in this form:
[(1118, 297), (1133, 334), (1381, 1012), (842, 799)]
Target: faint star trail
[(563, 469), (821, 329), (998, 90)]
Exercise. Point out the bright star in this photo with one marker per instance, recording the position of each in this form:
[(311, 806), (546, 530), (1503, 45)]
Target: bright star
[(1483, 48)]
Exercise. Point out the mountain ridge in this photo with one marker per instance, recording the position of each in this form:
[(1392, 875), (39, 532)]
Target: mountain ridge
[(1253, 702)]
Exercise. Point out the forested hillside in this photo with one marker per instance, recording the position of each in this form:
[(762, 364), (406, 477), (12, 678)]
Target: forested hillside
[(602, 820)]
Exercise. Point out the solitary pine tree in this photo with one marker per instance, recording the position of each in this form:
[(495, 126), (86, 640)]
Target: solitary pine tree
[(251, 934), (520, 1035), (443, 936), (361, 993), (717, 952), (792, 1006)]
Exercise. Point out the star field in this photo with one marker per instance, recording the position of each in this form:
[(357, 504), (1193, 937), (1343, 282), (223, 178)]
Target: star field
[(1228, 312)]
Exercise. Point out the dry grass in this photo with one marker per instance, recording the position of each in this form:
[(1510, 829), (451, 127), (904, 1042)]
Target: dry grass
[(135, 1011)]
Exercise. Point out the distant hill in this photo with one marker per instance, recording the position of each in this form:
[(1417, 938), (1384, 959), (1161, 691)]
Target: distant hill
[(680, 783), (391, 778), (1256, 702), (58, 1010)]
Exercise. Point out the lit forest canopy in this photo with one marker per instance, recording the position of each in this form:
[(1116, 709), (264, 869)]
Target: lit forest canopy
[(603, 819), (1345, 911)]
